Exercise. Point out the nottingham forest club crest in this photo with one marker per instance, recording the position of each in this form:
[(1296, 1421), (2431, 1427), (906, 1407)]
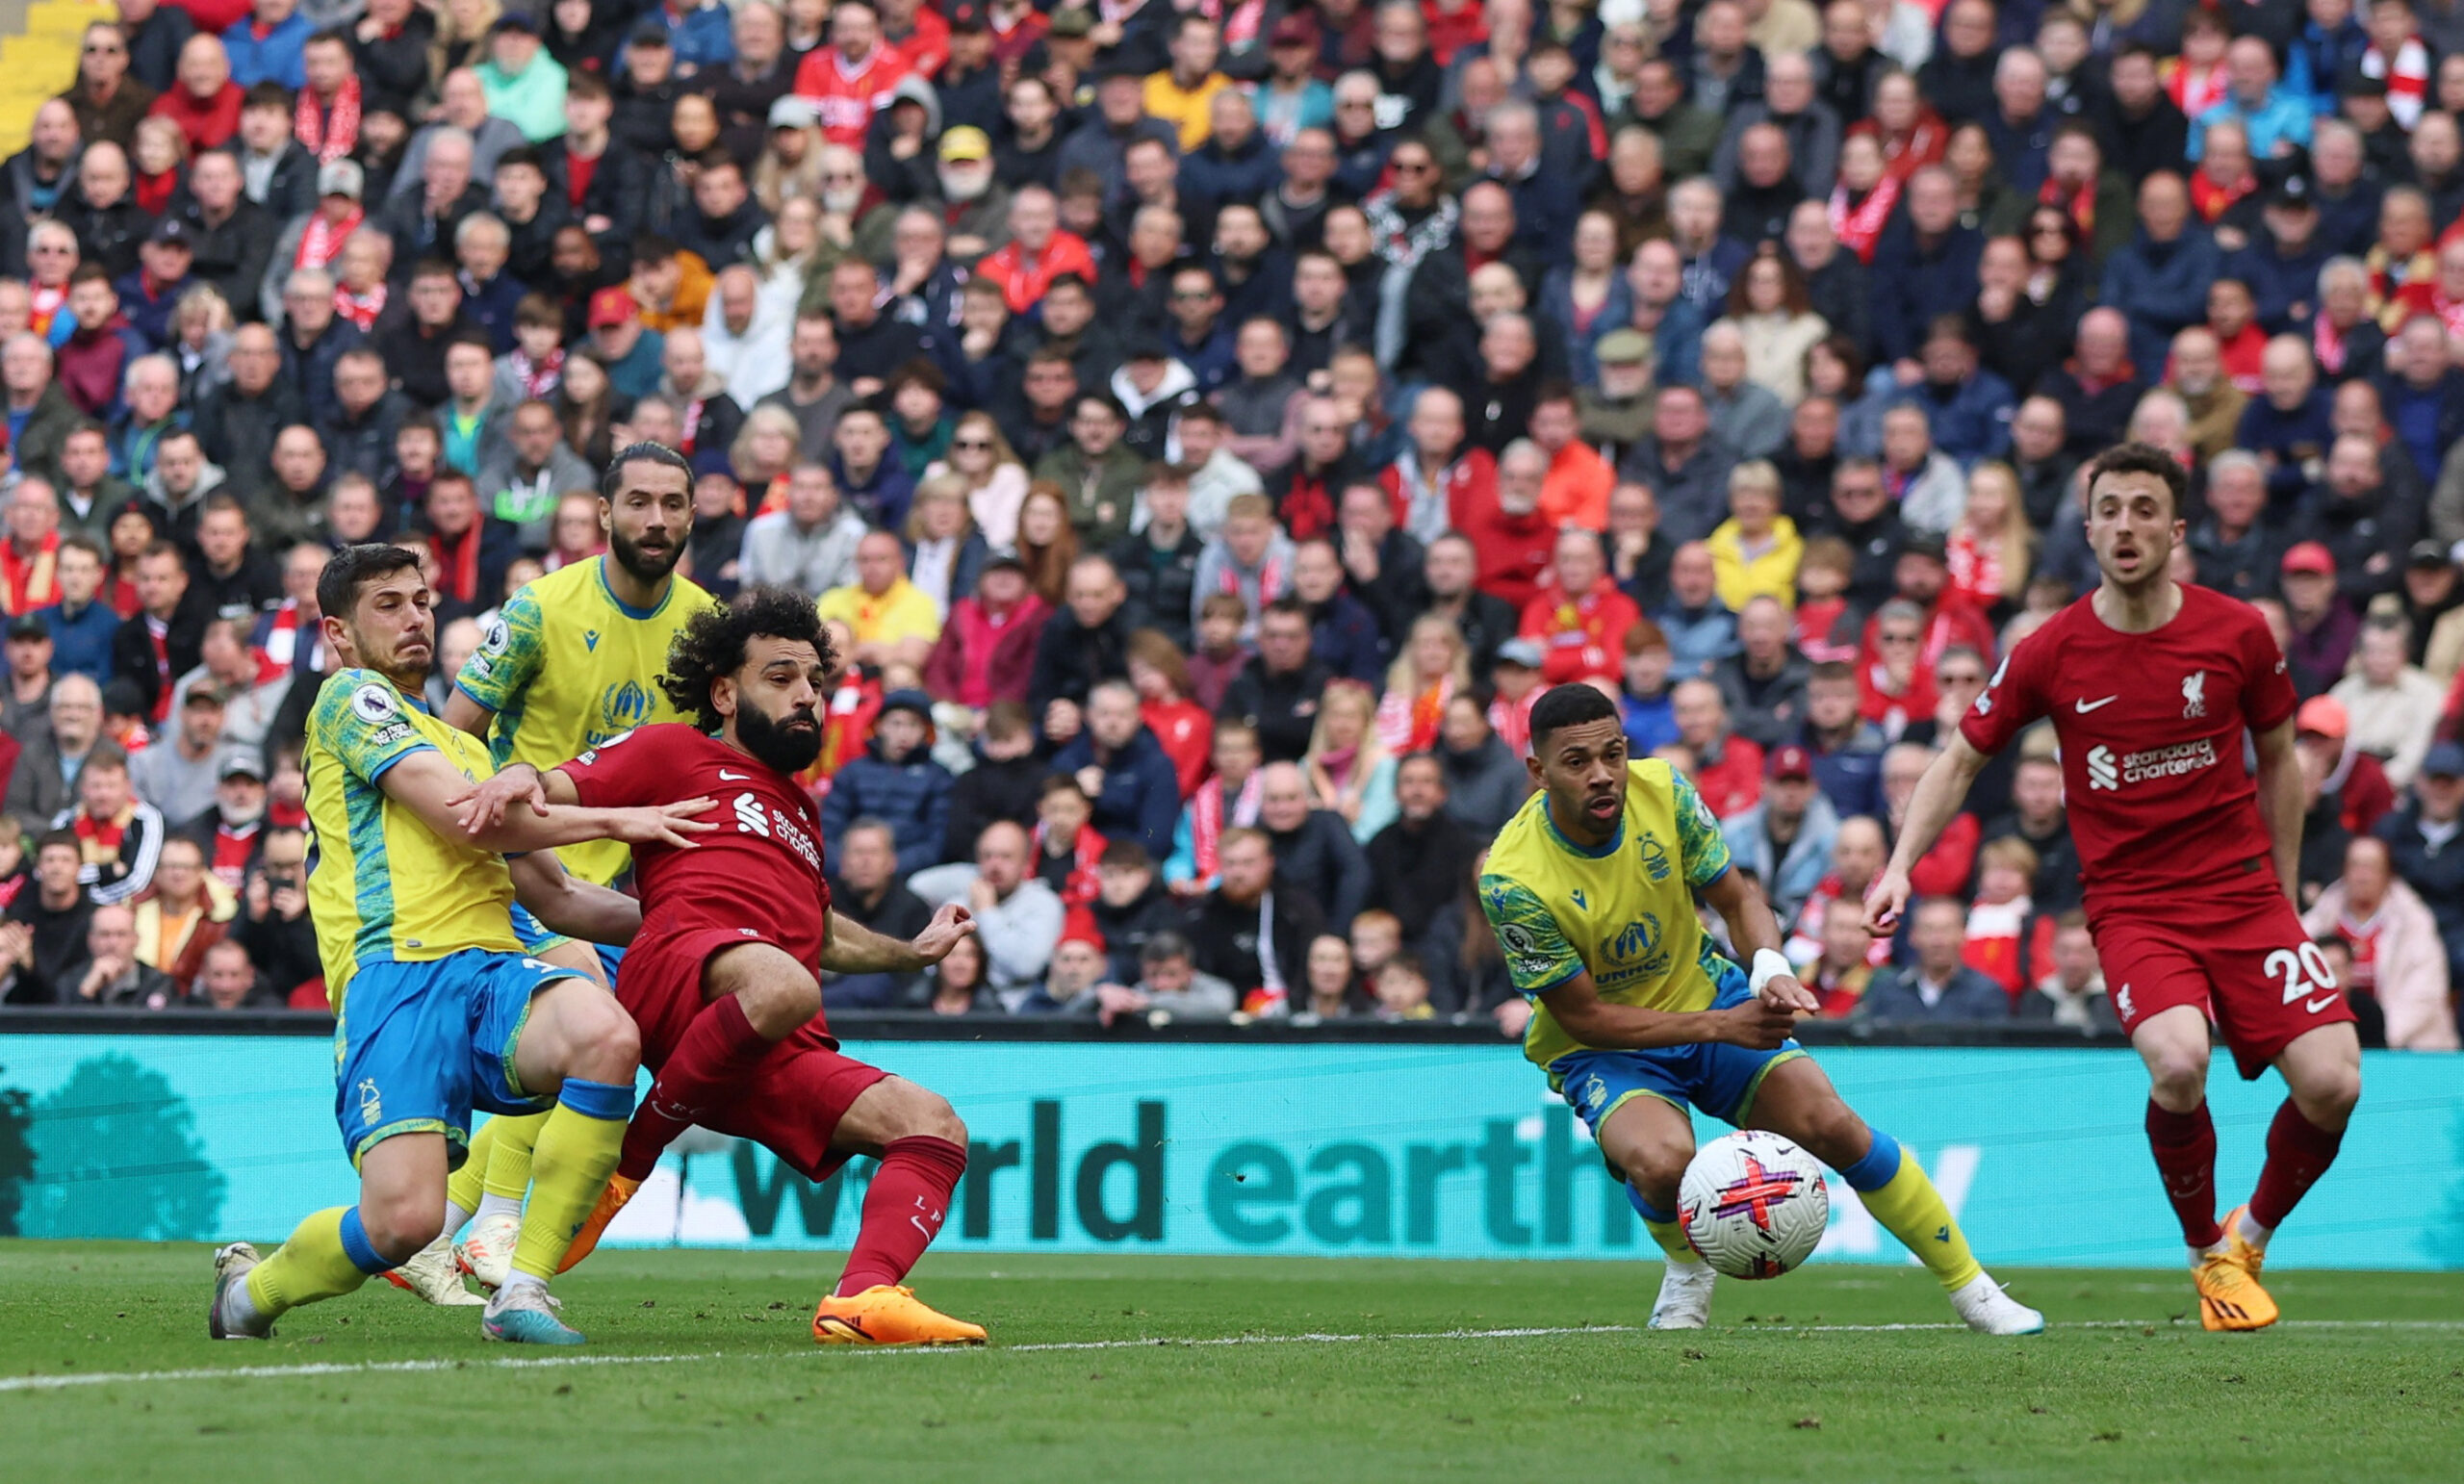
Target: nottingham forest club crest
[(1654, 857)]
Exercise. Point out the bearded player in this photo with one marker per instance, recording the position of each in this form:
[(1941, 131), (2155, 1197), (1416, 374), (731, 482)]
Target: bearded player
[(2191, 863), (723, 978), (567, 666), (437, 1010), (1591, 887)]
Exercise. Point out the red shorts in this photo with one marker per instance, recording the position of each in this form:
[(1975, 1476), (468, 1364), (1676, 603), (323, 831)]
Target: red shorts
[(792, 1103), (2238, 955)]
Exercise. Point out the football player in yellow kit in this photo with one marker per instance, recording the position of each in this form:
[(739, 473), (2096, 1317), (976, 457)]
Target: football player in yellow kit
[(1637, 1017)]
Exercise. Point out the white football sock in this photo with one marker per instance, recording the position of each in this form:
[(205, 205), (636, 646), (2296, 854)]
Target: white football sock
[(456, 1218), (239, 1310), (495, 1205), (518, 1279), (2246, 1226)]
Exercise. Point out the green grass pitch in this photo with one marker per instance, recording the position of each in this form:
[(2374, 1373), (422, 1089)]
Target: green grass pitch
[(702, 1368)]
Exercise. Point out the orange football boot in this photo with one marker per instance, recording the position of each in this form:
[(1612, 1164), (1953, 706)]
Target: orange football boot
[(2245, 1252), (2229, 1295), (887, 1314), (594, 1226)]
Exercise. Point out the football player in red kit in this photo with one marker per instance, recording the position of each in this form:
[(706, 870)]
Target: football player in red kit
[(2190, 861), (724, 977)]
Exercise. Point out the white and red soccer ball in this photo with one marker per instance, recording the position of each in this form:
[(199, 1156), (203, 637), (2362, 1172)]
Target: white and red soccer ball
[(1752, 1204)]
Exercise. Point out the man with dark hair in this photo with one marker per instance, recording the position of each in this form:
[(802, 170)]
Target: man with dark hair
[(726, 973), (440, 1009), (45, 929), (1591, 889), (1277, 694), (2191, 861), (1251, 930), (1416, 865)]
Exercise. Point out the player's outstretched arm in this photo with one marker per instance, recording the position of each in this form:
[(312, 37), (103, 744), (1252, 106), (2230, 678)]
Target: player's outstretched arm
[(2280, 791), (567, 903), (482, 806), (1756, 935), (1939, 795), (425, 783), (1577, 1006), (852, 948)]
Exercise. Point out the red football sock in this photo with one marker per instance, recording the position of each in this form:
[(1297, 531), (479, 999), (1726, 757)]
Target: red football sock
[(717, 1051), (2185, 1149), (2299, 1153), (903, 1211)]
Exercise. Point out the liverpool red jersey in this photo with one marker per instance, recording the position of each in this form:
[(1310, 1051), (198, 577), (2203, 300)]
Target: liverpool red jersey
[(848, 95), (759, 870), (2152, 759)]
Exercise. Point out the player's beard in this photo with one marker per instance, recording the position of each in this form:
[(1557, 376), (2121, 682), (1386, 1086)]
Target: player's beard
[(640, 565), (779, 744)]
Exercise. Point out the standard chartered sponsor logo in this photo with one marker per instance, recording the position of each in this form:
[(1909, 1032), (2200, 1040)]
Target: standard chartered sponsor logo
[(2105, 771)]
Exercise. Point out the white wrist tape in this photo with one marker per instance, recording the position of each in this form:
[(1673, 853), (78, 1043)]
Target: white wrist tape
[(1770, 964)]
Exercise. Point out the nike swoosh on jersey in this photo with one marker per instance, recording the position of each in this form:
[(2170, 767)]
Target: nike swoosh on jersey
[(2313, 1006), (733, 777), (2086, 706)]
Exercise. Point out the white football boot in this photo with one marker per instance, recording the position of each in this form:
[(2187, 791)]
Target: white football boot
[(433, 1274), (487, 1253), (1988, 1310), (1685, 1296)]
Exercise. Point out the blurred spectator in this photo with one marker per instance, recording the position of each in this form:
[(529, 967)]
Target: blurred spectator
[(1485, 781), (178, 774), (2392, 706), (1083, 643), (1253, 930), (1937, 988), (111, 973), (892, 621), (82, 627), (2418, 835), (1017, 916), (187, 914), (2072, 992), (1784, 838), (44, 934), (895, 782), (1841, 968), (1120, 766), (1002, 782), (228, 981), (1277, 695), (54, 756), (1416, 862), (1131, 906), (868, 892), (2398, 959), (1314, 850), (1764, 683)]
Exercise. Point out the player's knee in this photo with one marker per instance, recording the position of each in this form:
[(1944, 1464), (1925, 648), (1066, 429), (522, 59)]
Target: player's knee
[(398, 1226), (1835, 1134), (606, 1047), (777, 1005), (1657, 1170), (936, 1118), (2177, 1076), (2326, 1095)]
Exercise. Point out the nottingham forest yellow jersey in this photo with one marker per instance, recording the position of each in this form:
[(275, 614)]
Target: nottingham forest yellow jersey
[(565, 667), (1623, 911), (382, 886)]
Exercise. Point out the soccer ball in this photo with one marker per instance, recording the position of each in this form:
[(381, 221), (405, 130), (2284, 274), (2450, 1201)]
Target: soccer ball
[(1752, 1204)]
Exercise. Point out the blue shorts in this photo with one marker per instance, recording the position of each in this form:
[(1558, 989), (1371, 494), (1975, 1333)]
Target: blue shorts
[(1716, 1077), (419, 1045), (536, 938)]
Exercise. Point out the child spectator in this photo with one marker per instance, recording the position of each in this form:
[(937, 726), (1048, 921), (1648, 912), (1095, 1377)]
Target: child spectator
[(1649, 718), (1403, 990), (1131, 906), (1997, 920), (897, 782), (1222, 651), (2072, 992), (1822, 599)]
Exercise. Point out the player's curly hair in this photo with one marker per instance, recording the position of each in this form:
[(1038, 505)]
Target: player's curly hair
[(712, 644)]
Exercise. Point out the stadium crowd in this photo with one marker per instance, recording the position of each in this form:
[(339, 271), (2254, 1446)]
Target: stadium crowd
[(1208, 427)]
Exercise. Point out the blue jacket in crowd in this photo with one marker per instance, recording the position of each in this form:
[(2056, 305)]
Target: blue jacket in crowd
[(1141, 797), (910, 796)]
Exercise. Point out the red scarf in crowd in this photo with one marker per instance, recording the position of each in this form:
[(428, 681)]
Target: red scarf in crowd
[(1207, 821), (459, 563), (1859, 226), (1083, 886), (320, 241), (362, 309), (153, 193), (2210, 200), (30, 582), (539, 378), (328, 137)]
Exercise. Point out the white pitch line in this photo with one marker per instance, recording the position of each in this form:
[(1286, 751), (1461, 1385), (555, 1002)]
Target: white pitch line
[(53, 1383)]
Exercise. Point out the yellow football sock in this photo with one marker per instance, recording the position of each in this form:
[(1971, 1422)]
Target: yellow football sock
[(1908, 1206), (315, 1263), (463, 1187), (1663, 1225), (577, 1151), (508, 1165)]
